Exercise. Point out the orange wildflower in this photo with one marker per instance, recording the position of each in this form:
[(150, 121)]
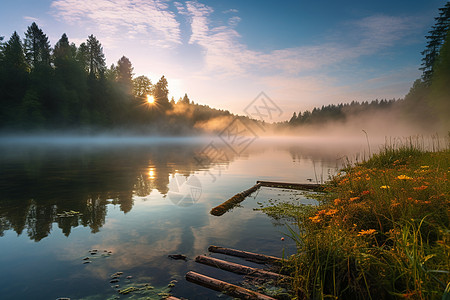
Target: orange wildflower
[(331, 212), (420, 188), (337, 201), (364, 193), (315, 219), (366, 232), (354, 199), (404, 177)]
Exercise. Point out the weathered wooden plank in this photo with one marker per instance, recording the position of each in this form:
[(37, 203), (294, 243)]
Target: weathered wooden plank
[(256, 257), (286, 185), (225, 287), (233, 201), (239, 269)]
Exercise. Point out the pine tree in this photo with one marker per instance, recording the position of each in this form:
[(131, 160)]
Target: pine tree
[(95, 56), (37, 47), (440, 85), (186, 99), (161, 93), (13, 80), (436, 39), (82, 56), (125, 74), (293, 118), (70, 81)]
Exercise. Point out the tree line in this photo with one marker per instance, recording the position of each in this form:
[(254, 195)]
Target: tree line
[(339, 112), (428, 101), (70, 87)]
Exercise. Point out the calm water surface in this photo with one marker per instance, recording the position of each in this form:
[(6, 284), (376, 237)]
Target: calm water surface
[(140, 200)]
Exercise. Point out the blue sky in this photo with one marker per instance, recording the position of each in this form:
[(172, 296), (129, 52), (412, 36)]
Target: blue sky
[(223, 53)]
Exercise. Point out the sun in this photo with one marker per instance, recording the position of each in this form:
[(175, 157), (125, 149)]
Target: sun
[(150, 99)]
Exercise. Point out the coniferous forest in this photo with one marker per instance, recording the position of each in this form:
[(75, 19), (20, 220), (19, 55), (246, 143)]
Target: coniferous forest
[(69, 87), (66, 87), (428, 101)]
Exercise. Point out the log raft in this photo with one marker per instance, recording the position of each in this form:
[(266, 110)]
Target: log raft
[(239, 269), (293, 186), (239, 197), (233, 201), (225, 287), (254, 257)]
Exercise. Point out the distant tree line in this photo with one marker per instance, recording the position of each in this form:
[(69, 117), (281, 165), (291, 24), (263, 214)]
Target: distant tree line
[(339, 112), (428, 101), (70, 87)]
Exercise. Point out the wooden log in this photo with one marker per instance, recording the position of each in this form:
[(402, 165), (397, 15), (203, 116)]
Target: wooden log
[(172, 298), (239, 269), (225, 287), (233, 201), (294, 186), (255, 257)]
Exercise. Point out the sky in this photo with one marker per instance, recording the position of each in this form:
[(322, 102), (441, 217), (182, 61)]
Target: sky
[(223, 53)]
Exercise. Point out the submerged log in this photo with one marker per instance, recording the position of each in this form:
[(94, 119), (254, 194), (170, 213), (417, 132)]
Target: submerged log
[(239, 269), (294, 186), (172, 298), (233, 201), (225, 287), (255, 257)]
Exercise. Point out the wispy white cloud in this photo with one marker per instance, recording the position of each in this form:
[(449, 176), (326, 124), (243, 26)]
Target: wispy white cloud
[(231, 10), (31, 19), (233, 21), (150, 18), (226, 54)]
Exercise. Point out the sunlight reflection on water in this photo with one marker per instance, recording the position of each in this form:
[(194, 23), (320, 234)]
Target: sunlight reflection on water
[(121, 191)]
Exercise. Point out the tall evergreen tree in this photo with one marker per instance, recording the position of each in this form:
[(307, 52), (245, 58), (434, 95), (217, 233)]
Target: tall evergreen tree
[(83, 56), (96, 58), (161, 93), (37, 47), (435, 41), (186, 99), (440, 85), (70, 81), (125, 74), (13, 80)]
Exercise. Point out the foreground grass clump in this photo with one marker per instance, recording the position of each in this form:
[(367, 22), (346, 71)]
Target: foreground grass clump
[(380, 232)]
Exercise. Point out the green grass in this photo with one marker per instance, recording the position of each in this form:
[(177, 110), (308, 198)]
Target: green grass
[(381, 230)]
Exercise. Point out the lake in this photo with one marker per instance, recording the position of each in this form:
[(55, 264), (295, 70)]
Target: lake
[(137, 200)]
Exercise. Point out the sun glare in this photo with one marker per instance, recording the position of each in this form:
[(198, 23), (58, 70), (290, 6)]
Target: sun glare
[(151, 173), (150, 99)]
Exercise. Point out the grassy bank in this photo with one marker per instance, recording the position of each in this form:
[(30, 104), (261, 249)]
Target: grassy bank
[(380, 232)]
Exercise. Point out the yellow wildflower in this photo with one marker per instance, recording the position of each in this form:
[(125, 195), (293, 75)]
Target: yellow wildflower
[(366, 232), (385, 187), (424, 167), (404, 177)]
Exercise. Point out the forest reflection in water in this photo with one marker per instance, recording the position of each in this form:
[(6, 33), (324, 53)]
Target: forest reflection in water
[(38, 182)]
